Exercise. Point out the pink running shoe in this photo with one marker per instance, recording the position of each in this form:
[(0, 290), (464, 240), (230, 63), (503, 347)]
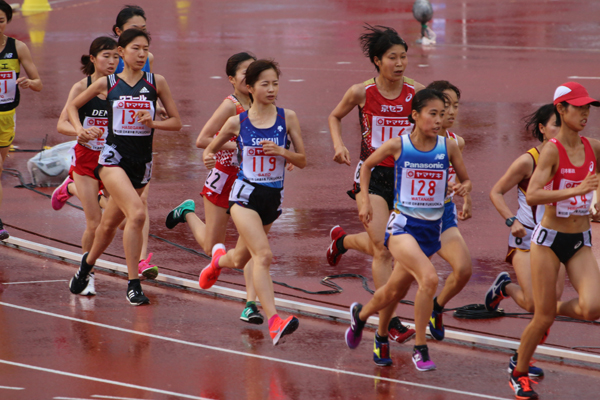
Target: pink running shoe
[(211, 272), (61, 194), (146, 269)]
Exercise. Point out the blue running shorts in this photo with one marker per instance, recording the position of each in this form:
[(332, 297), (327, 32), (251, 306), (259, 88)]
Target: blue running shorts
[(426, 233)]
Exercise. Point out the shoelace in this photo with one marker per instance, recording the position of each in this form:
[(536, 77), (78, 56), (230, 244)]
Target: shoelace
[(526, 382)]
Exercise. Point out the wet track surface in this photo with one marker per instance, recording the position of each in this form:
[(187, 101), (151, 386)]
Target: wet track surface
[(507, 59)]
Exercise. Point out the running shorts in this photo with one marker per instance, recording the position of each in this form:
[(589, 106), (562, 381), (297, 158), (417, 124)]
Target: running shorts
[(218, 185), (564, 245), (7, 127), (84, 162), (426, 233), (138, 172), (449, 219), (266, 201), (382, 184)]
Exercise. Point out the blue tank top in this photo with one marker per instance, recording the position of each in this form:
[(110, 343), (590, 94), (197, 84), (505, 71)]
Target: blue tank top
[(145, 68), (421, 180), (255, 166)]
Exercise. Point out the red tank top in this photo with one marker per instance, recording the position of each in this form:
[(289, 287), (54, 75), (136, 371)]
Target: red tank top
[(567, 176), (382, 119), (224, 157)]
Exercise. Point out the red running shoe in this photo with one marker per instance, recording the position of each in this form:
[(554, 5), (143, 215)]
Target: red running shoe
[(398, 332), (211, 272), (283, 327), (333, 254)]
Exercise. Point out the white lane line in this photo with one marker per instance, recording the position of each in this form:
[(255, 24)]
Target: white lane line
[(583, 77), (23, 283), (69, 398), (240, 353), (296, 80), (107, 381), (11, 388), (216, 77), (99, 396), (344, 62)]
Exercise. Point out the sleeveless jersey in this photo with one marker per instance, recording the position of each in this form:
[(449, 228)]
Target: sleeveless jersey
[(95, 113), (567, 176), (421, 180), (451, 171), (132, 138), (256, 166), (382, 119), (528, 215), (224, 157), (9, 73), (121, 66)]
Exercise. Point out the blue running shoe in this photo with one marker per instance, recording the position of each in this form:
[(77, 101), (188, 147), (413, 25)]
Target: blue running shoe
[(534, 371), (494, 295), (354, 333), (381, 353), (436, 325)]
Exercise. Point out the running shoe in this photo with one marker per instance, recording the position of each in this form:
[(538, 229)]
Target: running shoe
[(522, 387), (177, 214), (81, 279), (61, 194), (251, 315), (283, 327), (436, 325), (398, 332), (210, 273), (534, 371), (90, 289), (421, 359), (381, 353), (136, 296), (3, 232), (146, 269), (354, 333), (494, 295), (333, 254)]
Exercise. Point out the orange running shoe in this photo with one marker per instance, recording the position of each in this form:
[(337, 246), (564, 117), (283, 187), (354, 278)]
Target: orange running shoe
[(283, 327), (211, 272)]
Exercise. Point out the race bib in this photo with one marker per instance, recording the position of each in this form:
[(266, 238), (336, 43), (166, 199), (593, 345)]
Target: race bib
[(109, 156), (215, 181), (241, 191), (125, 123), (259, 167), (100, 123), (451, 181), (8, 86), (423, 188), (577, 205), (386, 128)]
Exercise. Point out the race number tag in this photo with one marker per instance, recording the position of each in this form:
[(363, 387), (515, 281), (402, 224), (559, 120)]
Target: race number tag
[(451, 181), (125, 123), (100, 123), (422, 188), (577, 205), (215, 181), (109, 156), (386, 128), (241, 191), (8, 86), (259, 167)]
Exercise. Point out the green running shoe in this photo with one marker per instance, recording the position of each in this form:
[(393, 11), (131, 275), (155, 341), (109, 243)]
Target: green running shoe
[(177, 214)]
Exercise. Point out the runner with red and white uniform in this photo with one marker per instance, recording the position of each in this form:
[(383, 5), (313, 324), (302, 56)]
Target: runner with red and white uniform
[(384, 105), (564, 180), (220, 179)]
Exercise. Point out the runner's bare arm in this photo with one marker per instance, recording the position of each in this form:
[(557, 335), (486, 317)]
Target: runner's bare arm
[(64, 126), (173, 122), (296, 157), (33, 80), (214, 124), (100, 87), (355, 96), (419, 86)]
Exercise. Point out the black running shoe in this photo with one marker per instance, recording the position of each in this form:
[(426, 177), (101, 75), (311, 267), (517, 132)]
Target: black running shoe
[(81, 279), (136, 296), (3, 232)]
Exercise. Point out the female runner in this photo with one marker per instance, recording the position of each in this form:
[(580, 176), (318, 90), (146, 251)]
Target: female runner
[(384, 105), (221, 178), (125, 164), (14, 54), (454, 249), (262, 136), (422, 159), (564, 180), (101, 61)]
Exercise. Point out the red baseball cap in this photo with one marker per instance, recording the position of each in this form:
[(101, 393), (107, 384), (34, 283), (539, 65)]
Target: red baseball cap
[(574, 94)]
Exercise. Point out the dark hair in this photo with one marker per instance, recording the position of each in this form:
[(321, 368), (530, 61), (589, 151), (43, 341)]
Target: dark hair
[(125, 15), (442, 86), (540, 116), (422, 98), (256, 68), (235, 60), (379, 39), (558, 119), (130, 35), (4, 6), (99, 44)]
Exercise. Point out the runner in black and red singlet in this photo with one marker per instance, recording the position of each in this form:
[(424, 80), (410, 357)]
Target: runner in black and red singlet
[(384, 104)]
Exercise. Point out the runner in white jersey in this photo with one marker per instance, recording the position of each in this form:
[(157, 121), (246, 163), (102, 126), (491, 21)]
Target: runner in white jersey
[(125, 165)]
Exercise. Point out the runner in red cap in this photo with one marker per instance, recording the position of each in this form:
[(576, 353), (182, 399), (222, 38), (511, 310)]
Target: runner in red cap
[(564, 181)]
